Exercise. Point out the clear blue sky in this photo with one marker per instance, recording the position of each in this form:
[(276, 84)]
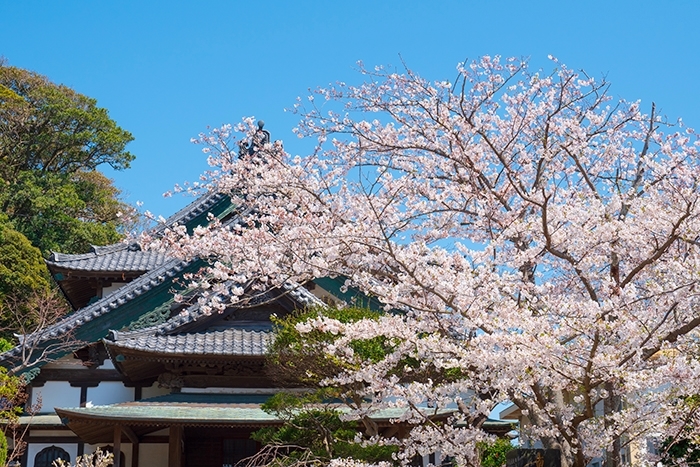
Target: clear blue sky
[(166, 70)]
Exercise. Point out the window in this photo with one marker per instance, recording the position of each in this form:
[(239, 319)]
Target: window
[(46, 456)]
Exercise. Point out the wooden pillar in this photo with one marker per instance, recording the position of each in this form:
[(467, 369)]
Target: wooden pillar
[(135, 455), (83, 395), (117, 445), (175, 447), (135, 441)]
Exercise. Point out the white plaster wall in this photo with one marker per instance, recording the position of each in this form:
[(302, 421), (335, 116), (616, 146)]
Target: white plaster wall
[(153, 391), (107, 365), (115, 285), (55, 394), (33, 450), (109, 392), (153, 455)]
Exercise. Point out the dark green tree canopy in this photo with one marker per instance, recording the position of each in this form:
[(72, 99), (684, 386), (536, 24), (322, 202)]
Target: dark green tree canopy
[(51, 128), (23, 275), (52, 141), (22, 269)]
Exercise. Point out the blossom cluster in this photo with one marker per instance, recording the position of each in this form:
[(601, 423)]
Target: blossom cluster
[(538, 238)]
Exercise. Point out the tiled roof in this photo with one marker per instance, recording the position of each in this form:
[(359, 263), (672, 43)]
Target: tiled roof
[(40, 420), (302, 295), (159, 269), (129, 257), (298, 293), (95, 424), (246, 339), (144, 412), (132, 290), (204, 408), (227, 342), (200, 206), (118, 257)]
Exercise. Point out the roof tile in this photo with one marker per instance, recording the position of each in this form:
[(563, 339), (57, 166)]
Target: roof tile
[(232, 341)]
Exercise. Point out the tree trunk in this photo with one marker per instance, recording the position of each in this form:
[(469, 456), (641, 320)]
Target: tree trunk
[(611, 405)]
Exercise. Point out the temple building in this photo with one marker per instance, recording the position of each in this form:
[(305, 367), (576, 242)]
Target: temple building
[(158, 382)]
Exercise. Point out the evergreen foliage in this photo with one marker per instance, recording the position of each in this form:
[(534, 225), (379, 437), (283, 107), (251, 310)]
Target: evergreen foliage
[(52, 140), (23, 274), (684, 450), (298, 359), (22, 269), (494, 454), (3, 449), (312, 427)]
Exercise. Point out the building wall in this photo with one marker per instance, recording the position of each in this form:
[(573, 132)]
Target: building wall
[(153, 455), (55, 394), (61, 394), (34, 448), (154, 391), (115, 286), (110, 392)]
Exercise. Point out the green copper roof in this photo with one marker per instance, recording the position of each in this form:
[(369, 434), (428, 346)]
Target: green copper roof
[(203, 409), (179, 409), (166, 414)]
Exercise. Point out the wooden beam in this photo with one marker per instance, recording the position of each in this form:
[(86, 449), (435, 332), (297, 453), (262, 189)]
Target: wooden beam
[(83, 395), (52, 439), (175, 447), (117, 445), (135, 455), (130, 434), (77, 377)]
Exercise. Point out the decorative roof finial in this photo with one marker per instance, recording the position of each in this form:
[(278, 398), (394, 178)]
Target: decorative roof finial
[(260, 138)]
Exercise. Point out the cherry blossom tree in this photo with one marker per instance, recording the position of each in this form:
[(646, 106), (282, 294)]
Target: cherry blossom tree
[(538, 238)]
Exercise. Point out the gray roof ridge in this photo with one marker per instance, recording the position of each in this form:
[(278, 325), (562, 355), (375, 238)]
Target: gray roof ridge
[(95, 251), (59, 257), (302, 295), (215, 342), (189, 212), (123, 337), (299, 293), (184, 215), (119, 297)]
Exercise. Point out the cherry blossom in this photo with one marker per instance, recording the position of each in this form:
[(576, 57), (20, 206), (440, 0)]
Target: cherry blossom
[(534, 238)]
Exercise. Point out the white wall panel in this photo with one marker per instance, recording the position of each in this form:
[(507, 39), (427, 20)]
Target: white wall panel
[(55, 394), (110, 392)]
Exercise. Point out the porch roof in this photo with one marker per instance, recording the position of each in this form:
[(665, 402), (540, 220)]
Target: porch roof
[(96, 424)]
